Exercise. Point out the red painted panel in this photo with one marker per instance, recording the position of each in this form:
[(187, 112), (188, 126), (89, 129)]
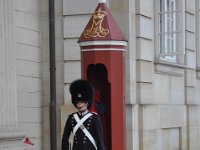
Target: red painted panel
[(114, 62)]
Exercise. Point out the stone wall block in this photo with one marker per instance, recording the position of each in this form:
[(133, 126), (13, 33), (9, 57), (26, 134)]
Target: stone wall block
[(145, 49), (190, 77), (145, 8), (145, 27), (190, 96), (150, 117), (72, 71), (190, 6), (71, 50), (190, 42), (194, 119), (172, 116), (144, 71), (74, 25), (145, 93), (190, 22), (77, 7), (169, 89)]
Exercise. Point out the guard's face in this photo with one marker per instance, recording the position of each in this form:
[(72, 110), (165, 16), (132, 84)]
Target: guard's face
[(81, 106)]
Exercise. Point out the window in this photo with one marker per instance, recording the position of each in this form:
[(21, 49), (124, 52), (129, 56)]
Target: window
[(170, 30)]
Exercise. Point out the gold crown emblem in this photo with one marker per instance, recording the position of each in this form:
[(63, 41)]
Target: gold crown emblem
[(99, 14), (96, 29)]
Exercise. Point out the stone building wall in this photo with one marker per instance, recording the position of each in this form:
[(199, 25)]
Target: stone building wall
[(29, 68)]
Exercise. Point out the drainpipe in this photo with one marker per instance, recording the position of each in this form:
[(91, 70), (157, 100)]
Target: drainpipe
[(52, 108)]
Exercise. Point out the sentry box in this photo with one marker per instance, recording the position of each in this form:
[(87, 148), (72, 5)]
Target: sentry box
[(102, 62)]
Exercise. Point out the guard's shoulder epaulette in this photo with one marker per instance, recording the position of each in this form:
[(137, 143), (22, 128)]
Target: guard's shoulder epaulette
[(72, 114), (94, 113)]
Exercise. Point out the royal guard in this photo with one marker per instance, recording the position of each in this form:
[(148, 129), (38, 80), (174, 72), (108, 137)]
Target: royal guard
[(84, 125)]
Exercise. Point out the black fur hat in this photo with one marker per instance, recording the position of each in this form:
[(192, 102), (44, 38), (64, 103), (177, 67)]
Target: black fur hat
[(82, 90)]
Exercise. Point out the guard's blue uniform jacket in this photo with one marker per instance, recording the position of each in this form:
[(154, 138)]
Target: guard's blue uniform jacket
[(81, 140)]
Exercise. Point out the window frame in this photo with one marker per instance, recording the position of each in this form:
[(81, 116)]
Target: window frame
[(175, 56)]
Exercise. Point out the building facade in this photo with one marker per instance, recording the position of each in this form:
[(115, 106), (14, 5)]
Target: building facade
[(162, 84)]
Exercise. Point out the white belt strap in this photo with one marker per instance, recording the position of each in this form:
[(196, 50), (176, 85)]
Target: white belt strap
[(80, 122), (82, 127)]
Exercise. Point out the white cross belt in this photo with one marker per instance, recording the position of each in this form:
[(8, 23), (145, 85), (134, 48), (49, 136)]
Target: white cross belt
[(82, 127)]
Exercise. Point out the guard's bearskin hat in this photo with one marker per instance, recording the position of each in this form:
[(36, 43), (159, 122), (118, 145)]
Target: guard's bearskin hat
[(82, 90)]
